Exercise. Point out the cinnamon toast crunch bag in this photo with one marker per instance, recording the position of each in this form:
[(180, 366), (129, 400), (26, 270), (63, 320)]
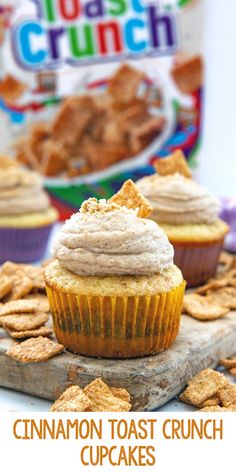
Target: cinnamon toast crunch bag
[(93, 91)]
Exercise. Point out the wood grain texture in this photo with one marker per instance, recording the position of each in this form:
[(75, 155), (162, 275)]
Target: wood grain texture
[(152, 381)]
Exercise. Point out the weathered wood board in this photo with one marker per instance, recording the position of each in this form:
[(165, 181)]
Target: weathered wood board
[(152, 381)]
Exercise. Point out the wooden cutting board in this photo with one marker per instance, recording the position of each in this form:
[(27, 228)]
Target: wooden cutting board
[(152, 381)]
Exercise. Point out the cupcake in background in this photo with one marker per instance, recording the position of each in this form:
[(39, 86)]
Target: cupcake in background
[(113, 288), (188, 214), (228, 214), (26, 217)]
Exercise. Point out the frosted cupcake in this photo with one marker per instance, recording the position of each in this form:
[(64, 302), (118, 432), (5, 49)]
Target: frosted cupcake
[(26, 217), (113, 288), (188, 214)]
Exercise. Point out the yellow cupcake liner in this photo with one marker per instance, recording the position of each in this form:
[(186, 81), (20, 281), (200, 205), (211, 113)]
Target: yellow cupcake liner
[(116, 327)]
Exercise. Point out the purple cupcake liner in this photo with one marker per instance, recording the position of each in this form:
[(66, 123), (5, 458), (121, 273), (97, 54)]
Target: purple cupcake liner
[(228, 211), (228, 214), (23, 244), (197, 263)]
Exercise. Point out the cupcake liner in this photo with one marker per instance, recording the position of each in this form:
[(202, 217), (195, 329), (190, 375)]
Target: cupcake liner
[(118, 327), (197, 262), (23, 244)]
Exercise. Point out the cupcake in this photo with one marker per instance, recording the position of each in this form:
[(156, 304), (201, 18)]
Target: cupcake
[(113, 289), (188, 214), (26, 217)]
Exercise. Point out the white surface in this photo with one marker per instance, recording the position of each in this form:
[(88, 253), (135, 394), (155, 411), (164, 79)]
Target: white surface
[(16, 401), (218, 157)]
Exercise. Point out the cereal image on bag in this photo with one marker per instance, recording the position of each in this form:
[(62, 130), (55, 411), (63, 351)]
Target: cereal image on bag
[(81, 137)]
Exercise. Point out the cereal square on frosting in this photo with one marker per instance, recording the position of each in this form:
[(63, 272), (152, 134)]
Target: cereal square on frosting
[(130, 196), (174, 163)]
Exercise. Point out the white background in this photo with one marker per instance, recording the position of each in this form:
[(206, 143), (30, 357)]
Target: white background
[(179, 455), (218, 156)]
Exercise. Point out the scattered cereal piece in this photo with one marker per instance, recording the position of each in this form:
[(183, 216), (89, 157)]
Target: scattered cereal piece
[(130, 196), (212, 285), (216, 408), (233, 263), (120, 393), (102, 398), (35, 350), (233, 371), (203, 309), (226, 260), (232, 271), (212, 401), (227, 395), (35, 274), (224, 296), (23, 322), (21, 283), (73, 399), (32, 276), (18, 306), (31, 333), (97, 396), (228, 363), (203, 386), (47, 262), (41, 299), (5, 286), (22, 286), (213, 408), (9, 268), (175, 163)]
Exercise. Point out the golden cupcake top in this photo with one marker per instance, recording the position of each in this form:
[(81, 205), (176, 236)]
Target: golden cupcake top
[(21, 191), (175, 197), (107, 238)]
